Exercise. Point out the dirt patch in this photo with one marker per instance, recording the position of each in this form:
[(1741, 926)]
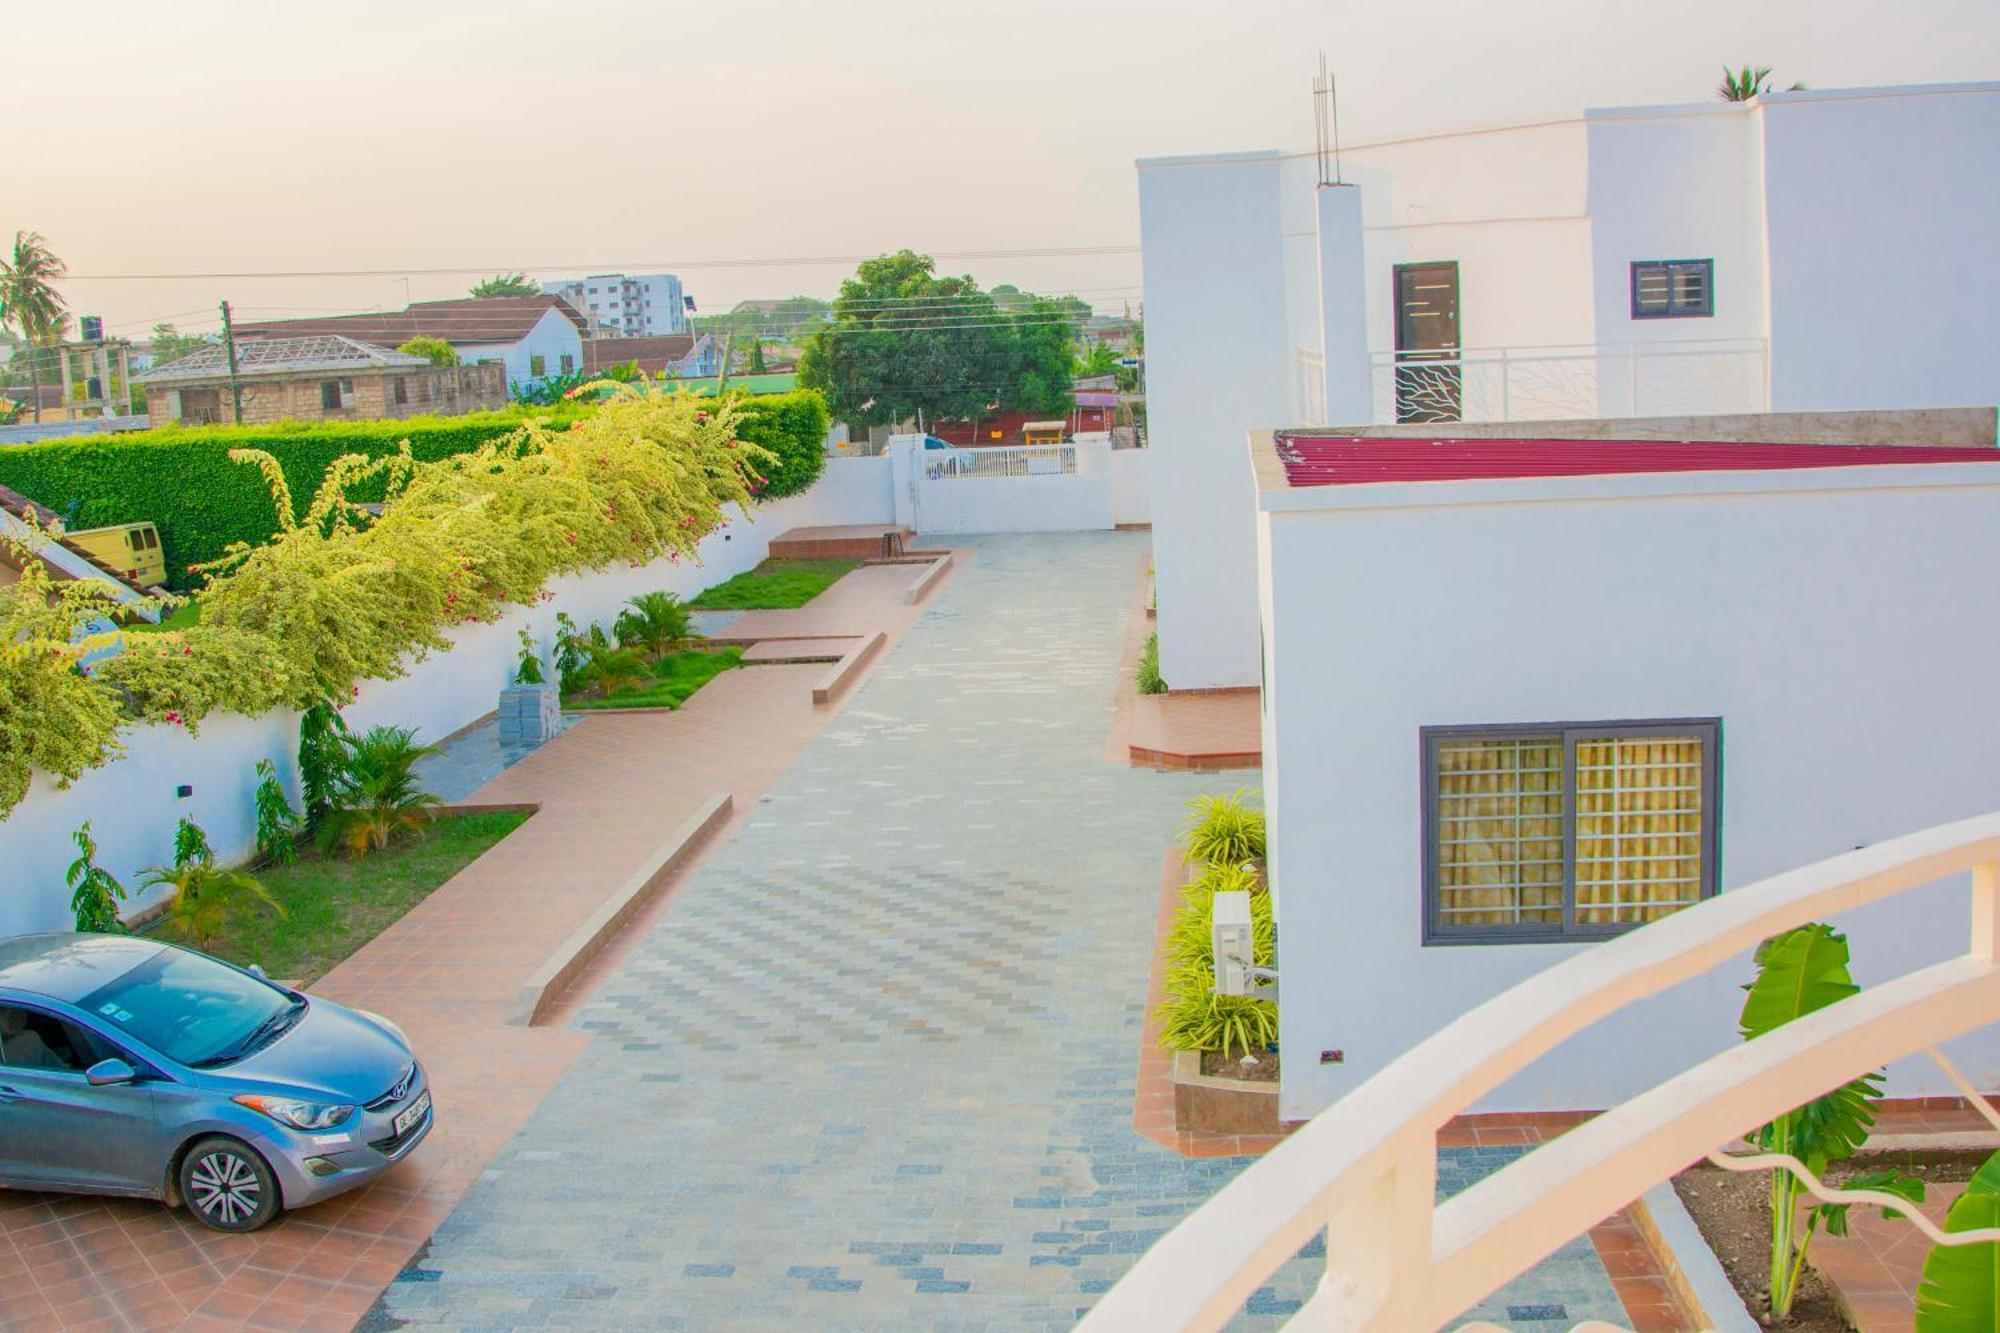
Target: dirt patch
[(1217, 1065), (1734, 1215)]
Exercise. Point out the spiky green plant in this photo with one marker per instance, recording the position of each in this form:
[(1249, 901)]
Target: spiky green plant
[(1798, 972), (94, 893), (1194, 1018), (205, 898), (378, 793), (607, 670), (655, 623), (1224, 830), (277, 822), (1147, 674)]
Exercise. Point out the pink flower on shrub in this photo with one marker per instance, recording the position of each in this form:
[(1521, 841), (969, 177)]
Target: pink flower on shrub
[(570, 537), (174, 716)]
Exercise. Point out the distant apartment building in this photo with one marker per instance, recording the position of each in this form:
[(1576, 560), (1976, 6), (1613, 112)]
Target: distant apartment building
[(625, 305)]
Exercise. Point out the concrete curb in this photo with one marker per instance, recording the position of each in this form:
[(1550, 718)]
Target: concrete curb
[(561, 967), (920, 587), (1692, 1269), (848, 667)]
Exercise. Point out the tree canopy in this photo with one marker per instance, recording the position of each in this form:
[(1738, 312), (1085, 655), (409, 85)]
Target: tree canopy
[(434, 350), (507, 284), (905, 341), (169, 344)]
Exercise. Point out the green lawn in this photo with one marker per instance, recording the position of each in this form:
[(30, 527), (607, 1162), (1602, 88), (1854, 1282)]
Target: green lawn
[(334, 905), (185, 616), (775, 585), (675, 677)]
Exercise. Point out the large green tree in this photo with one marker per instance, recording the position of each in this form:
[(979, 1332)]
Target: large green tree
[(507, 284), (904, 341), (169, 344), (30, 302)]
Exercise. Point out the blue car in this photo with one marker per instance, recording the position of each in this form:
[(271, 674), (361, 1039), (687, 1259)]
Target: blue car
[(135, 1068)]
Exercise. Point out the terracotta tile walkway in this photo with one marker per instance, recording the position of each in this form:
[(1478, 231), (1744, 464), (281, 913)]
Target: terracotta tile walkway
[(610, 789)]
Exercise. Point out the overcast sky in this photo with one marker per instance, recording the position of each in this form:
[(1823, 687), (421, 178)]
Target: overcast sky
[(245, 135)]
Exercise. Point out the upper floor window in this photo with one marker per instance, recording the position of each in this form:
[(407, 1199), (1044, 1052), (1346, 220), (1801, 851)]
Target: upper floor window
[(1673, 288), (1566, 831)]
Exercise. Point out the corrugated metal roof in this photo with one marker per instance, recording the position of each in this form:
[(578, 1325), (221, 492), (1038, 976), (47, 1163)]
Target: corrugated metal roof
[(1350, 460)]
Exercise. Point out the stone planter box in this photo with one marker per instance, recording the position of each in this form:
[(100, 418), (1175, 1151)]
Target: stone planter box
[(529, 714), (1221, 1105)]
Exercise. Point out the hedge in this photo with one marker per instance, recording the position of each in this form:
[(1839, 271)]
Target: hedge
[(182, 480)]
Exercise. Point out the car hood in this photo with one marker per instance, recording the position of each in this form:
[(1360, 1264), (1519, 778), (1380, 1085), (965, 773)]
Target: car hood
[(333, 1054)]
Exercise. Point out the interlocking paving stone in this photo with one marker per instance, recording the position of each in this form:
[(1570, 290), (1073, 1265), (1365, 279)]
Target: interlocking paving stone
[(874, 1068)]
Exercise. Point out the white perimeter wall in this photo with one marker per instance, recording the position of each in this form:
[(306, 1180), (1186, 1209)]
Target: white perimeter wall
[(132, 805), (1884, 208), (1844, 631), (1082, 501), (1132, 485)]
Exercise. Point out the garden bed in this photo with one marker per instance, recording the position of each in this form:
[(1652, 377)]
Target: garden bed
[(1222, 1103), (775, 585), (674, 679), (1733, 1213), (334, 905)]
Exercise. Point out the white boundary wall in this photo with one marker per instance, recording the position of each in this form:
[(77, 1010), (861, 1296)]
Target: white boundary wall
[(131, 803), (1841, 623), (1081, 501)]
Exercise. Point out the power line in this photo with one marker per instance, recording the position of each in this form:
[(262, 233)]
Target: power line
[(794, 261)]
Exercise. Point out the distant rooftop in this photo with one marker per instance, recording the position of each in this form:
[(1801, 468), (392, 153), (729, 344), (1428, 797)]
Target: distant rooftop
[(1348, 460), (476, 321), (282, 356)]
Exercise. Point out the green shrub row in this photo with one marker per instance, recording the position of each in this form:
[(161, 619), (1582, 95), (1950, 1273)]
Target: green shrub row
[(182, 480), (792, 426)]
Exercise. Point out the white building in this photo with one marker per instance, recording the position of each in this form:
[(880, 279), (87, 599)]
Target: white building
[(627, 305), (1803, 251), (533, 336), (1508, 713)]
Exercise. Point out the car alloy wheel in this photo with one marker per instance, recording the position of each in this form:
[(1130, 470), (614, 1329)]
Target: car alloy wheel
[(228, 1186)]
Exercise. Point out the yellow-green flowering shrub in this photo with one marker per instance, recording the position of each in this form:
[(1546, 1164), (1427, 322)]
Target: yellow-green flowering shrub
[(340, 595)]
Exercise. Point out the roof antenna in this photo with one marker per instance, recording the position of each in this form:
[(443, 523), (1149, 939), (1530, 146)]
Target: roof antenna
[(1326, 124)]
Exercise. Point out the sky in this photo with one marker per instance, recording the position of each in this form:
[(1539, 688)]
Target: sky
[(243, 136)]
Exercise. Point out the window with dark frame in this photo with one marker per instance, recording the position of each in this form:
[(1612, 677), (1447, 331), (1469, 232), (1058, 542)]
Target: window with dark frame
[(329, 395), (1673, 288), (1566, 830), (538, 366), (402, 391)]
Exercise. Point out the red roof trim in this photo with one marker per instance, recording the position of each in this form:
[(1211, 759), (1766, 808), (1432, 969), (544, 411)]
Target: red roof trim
[(1351, 460)]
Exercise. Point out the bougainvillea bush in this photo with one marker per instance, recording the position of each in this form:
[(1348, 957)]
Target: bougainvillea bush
[(341, 595)]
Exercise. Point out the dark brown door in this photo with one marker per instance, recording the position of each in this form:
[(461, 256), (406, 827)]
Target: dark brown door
[(201, 407), (1428, 384)]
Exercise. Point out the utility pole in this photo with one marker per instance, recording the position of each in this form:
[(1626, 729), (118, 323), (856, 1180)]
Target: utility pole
[(722, 380), (229, 345)]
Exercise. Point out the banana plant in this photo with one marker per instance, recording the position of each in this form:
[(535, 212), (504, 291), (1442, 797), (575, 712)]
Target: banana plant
[(1798, 972), (1960, 1292)]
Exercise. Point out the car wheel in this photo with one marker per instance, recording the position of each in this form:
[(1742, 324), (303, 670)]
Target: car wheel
[(228, 1186)]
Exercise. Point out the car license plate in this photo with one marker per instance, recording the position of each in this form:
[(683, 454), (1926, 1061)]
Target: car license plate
[(408, 1118)]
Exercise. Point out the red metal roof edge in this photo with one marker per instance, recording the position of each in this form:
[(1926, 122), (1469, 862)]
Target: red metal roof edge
[(1348, 460)]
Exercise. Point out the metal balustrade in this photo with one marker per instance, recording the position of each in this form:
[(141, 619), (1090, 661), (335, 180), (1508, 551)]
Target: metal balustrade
[(998, 461), (1364, 1171)]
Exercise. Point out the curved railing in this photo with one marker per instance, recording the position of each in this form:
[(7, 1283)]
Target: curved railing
[(1365, 1169)]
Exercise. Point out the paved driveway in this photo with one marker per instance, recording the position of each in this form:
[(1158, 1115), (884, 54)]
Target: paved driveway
[(874, 1067)]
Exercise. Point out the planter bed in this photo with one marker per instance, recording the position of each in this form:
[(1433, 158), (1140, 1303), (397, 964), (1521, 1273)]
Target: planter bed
[(334, 905), (1223, 1104), (676, 677), (775, 585)]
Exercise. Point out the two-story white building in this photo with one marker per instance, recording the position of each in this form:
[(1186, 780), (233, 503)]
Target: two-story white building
[(1803, 251)]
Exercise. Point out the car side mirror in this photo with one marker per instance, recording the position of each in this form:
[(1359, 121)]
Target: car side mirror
[(105, 1073)]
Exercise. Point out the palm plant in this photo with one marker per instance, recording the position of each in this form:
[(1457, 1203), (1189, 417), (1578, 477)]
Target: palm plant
[(1798, 972), (30, 302), (607, 670), (377, 793), (654, 622), (1743, 84), (205, 898)]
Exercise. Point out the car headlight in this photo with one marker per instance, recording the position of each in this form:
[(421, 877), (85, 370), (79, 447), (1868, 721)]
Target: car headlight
[(297, 1114)]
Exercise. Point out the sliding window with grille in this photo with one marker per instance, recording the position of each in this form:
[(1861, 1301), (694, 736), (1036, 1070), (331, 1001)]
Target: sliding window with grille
[(1566, 830)]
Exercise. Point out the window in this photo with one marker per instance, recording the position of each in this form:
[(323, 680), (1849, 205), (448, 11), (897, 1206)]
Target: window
[(402, 391), (568, 364), (333, 394), (1570, 830), (1673, 289), (538, 365)]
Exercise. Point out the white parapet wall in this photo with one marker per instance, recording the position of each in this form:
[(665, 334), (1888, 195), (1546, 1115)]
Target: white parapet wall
[(134, 803), (1132, 486), (1046, 488)]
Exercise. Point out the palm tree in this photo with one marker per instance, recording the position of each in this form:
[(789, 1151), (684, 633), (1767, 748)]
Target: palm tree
[(655, 622), (30, 302), (506, 284), (377, 792), (610, 670), (206, 897), (1743, 84)]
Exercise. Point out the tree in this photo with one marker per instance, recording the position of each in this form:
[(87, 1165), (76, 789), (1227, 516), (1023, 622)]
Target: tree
[(1097, 358), (507, 284), (1743, 84), (757, 366), (434, 350), (170, 344), (905, 341), (30, 302)]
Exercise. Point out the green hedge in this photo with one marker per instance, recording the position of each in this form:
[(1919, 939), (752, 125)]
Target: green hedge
[(793, 426), (181, 478)]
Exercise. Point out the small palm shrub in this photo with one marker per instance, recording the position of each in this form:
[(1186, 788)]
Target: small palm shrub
[(377, 794), (607, 670), (1224, 830), (1147, 674), (206, 898), (94, 892), (277, 822), (654, 623)]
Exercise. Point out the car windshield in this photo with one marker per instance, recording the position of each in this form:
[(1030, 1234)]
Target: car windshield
[(191, 1009)]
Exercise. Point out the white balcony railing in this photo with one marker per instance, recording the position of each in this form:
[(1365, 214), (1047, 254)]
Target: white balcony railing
[(1364, 1171), (1490, 384), (999, 461)]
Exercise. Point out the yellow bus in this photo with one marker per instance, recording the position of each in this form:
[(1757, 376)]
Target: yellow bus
[(131, 549)]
